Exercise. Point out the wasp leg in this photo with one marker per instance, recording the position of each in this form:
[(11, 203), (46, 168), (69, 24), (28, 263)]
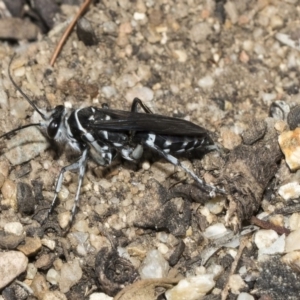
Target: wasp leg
[(80, 165), (136, 102), (212, 190)]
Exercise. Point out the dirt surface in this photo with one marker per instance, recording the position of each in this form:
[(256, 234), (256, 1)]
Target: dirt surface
[(217, 64)]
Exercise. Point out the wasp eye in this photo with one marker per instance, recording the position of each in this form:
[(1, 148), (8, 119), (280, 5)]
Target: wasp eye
[(52, 128)]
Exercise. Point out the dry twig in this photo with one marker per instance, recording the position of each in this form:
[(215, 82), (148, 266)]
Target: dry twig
[(68, 30)]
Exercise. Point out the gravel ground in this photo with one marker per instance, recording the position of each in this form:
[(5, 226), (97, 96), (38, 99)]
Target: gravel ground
[(218, 64)]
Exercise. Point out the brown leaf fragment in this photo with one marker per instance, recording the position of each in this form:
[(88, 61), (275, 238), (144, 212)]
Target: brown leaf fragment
[(247, 172), (146, 289)]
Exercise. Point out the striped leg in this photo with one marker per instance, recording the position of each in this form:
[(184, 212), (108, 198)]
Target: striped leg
[(80, 165), (173, 160)]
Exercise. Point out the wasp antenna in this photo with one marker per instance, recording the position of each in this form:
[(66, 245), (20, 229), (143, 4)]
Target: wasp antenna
[(22, 93), (18, 129)]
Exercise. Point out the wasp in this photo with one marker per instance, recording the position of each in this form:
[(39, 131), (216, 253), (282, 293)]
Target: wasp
[(102, 134)]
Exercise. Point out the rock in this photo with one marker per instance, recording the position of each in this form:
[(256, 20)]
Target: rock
[(231, 11), (55, 295), (292, 241), (70, 274), (215, 231), (99, 296), (206, 82), (245, 296), (144, 93), (265, 238), (15, 228), (9, 192), (276, 247), (26, 200), (12, 264), (31, 271), (289, 142), (154, 265), (236, 283), (10, 241), (53, 276), (29, 144), (199, 32), (289, 191), (39, 286), (18, 29), (85, 32), (195, 287), (31, 246)]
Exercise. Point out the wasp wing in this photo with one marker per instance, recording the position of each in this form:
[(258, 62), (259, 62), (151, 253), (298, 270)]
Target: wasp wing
[(142, 122)]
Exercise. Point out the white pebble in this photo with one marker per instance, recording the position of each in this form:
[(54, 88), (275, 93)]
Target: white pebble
[(236, 283), (292, 241), (289, 191), (144, 93), (52, 276), (215, 231), (100, 296), (31, 271), (146, 165), (48, 243), (206, 82), (195, 287), (71, 273), (276, 247), (14, 228), (294, 221), (139, 16), (108, 91), (154, 265), (265, 238), (245, 296)]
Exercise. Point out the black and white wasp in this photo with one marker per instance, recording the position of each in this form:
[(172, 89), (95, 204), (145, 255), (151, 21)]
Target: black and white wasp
[(103, 133)]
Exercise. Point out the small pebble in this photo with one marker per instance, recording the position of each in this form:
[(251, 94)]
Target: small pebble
[(144, 93), (154, 265), (232, 12), (294, 221), (64, 219), (100, 296), (70, 274), (14, 228), (199, 32), (277, 247), (292, 259), (31, 246), (12, 264), (265, 238), (236, 283), (195, 287), (39, 286), (245, 296), (289, 142), (289, 191), (206, 82), (292, 241), (215, 231), (53, 276), (29, 144), (49, 243), (31, 271)]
